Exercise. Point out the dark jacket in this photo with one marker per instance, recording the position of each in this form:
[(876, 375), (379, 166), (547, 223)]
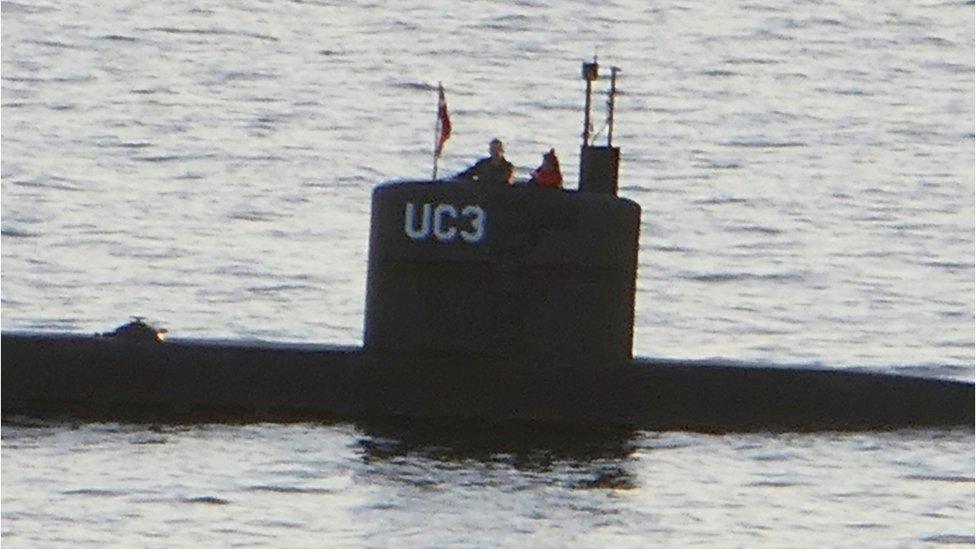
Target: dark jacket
[(483, 170)]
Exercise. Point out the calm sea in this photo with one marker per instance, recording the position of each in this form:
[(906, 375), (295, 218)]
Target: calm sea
[(806, 173)]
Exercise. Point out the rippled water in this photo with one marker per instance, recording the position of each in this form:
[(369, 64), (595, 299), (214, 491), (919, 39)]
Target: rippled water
[(310, 485), (806, 173)]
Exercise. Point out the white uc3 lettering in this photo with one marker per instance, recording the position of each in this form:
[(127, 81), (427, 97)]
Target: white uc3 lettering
[(441, 220)]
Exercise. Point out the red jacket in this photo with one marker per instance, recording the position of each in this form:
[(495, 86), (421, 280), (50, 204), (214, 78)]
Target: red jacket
[(546, 178)]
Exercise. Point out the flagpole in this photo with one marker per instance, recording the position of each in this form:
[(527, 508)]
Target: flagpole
[(437, 128)]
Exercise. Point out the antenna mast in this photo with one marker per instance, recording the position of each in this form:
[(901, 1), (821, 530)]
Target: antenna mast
[(598, 164), (590, 71), (610, 104)]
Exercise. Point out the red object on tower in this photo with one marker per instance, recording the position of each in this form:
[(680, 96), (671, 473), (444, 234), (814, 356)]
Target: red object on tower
[(443, 120)]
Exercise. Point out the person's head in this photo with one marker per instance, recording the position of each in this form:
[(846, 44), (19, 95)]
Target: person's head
[(496, 149), (549, 160)]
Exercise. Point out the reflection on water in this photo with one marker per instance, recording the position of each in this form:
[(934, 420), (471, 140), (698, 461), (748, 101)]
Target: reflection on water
[(598, 456), (435, 483)]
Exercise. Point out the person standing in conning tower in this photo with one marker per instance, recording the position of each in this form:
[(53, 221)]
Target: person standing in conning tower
[(548, 174), (494, 169)]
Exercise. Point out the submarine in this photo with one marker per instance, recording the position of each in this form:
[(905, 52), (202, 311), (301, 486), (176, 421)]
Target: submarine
[(484, 302)]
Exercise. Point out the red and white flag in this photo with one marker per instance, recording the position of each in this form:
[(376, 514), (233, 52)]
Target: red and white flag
[(443, 121)]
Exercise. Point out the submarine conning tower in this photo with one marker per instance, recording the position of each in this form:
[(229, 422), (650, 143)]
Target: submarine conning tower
[(479, 269)]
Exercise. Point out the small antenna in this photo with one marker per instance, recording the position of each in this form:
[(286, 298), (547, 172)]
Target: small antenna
[(590, 72), (610, 104)]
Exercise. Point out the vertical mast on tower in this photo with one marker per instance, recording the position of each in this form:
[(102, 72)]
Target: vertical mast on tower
[(598, 165)]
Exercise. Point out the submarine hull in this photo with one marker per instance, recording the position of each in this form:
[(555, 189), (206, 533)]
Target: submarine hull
[(90, 377)]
